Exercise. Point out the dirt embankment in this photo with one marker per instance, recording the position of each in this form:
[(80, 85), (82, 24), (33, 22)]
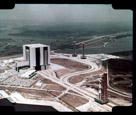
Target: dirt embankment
[(61, 72), (70, 66), (73, 100), (55, 87), (79, 78)]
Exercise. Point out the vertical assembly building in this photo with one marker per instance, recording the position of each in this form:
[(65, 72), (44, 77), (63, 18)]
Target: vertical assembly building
[(36, 56)]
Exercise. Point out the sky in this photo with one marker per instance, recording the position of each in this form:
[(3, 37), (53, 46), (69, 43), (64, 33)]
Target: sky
[(66, 13)]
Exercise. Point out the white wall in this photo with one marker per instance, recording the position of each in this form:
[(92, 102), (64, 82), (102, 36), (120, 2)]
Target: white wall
[(24, 52), (32, 57), (22, 63), (48, 54), (41, 56)]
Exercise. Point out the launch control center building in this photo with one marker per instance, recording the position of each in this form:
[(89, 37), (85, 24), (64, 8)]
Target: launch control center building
[(35, 56)]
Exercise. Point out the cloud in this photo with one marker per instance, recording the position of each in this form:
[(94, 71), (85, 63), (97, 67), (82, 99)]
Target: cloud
[(58, 13)]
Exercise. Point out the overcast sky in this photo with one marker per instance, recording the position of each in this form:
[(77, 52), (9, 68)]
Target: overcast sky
[(66, 13)]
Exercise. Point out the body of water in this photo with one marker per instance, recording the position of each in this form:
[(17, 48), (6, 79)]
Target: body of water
[(61, 37)]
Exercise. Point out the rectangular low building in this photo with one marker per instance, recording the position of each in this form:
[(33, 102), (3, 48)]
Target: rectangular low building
[(28, 74)]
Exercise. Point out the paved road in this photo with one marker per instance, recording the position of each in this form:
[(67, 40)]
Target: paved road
[(64, 81), (95, 67)]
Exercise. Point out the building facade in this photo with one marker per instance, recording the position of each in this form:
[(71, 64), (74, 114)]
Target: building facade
[(37, 56)]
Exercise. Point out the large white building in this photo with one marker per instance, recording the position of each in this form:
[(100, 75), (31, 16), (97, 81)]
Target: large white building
[(36, 56)]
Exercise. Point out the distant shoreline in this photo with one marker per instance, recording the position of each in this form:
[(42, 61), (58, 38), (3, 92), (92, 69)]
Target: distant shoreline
[(11, 56), (119, 53)]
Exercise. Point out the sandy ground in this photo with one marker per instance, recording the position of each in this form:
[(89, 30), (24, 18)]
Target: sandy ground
[(54, 93), (56, 66), (90, 106), (71, 91), (69, 64), (54, 87), (61, 72), (121, 102), (18, 98), (53, 82), (79, 78), (74, 100), (47, 81)]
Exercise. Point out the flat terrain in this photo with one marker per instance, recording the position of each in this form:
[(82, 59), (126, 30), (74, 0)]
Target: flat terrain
[(120, 74), (70, 64), (61, 72), (79, 78), (39, 95), (54, 87), (73, 100), (72, 82)]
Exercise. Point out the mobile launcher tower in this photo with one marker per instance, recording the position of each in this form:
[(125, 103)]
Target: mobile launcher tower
[(35, 56)]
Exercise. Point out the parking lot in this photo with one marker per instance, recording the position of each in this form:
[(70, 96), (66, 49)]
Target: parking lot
[(12, 78)]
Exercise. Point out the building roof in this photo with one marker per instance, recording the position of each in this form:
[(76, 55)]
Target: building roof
[(26, 74), (36, 45)]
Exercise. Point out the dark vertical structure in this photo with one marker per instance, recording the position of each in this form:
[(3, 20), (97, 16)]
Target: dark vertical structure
[(27, 53), (74, 54), (102, 98), (38, 67), (104, 87), (83, 52), (45, 56)]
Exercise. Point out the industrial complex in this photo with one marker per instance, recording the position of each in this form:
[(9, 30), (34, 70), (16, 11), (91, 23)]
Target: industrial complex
[(67, 82)]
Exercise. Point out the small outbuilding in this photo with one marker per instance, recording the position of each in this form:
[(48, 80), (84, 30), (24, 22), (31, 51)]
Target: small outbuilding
[(28, 74)]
